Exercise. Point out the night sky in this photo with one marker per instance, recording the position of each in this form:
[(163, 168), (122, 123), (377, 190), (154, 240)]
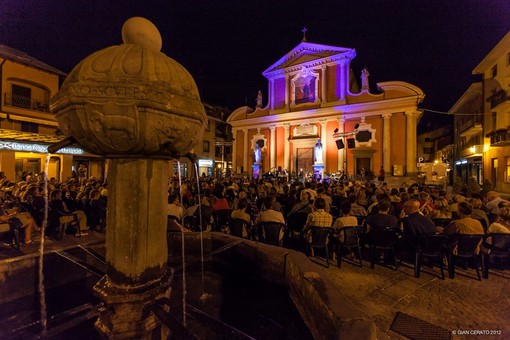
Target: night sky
[(227, 44)]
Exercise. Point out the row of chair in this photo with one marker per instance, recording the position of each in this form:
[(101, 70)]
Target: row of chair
[(433, 247), (11, 231)]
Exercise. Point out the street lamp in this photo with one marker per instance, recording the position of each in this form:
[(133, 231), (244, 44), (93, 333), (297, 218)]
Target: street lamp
[(223, 144)]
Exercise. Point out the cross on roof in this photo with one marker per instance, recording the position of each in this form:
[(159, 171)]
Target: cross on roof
[(304, 33)]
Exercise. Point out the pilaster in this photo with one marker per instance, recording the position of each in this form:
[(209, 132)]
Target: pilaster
[(286, 147), (387, 142), (272, 145)]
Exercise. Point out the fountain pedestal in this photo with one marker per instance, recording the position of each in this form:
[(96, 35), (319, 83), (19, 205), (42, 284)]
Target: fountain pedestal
[(136, 247), (256, 171), (318, 171), (128, 314), (139, 108)]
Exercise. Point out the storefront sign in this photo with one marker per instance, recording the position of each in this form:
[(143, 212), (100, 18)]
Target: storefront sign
[(42, 148), (205, 162)]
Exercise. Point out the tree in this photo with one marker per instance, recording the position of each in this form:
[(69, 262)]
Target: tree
[(473, 186), (457, 185)]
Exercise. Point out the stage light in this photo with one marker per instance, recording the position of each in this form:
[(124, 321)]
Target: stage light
[(336, 130), (356, 126)]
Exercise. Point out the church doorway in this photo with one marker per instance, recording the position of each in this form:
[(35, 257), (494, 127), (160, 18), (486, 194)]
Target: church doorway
[(304, 160), (363, 165)]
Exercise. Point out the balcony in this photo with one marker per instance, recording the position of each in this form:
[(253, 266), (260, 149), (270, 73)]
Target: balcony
[(500, 137), (498, 98), (471, 128), (471, 151), (26, 102)]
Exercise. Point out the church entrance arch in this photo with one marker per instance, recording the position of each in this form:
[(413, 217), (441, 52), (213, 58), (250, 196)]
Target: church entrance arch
[(304, 160)]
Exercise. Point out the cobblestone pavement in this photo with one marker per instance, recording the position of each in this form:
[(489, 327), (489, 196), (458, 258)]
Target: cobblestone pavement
[(462, 305)]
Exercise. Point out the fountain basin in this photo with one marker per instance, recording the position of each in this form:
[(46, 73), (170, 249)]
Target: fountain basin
[(325, 310)]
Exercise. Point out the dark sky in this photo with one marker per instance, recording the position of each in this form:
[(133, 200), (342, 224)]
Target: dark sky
[(227, 44)]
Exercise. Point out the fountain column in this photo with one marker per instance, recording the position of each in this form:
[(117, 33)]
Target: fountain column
[(140, 109)]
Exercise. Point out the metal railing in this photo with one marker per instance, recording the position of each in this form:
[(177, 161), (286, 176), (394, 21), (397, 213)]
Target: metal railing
[(498, 98), (475, 121), (26, 102)]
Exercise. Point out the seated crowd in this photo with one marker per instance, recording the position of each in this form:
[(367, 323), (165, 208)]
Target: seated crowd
[(411, 211), (77, 205), (293, 206)]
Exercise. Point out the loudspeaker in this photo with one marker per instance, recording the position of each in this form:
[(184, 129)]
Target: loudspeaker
[(339, 144), (351, 143)]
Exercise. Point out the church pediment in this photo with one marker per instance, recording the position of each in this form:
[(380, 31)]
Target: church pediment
[(307, 52)]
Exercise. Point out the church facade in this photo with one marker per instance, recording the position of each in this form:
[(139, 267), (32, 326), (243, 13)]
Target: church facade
[(311, 97)]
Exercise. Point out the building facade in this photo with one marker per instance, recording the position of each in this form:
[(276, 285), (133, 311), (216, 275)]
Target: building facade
[(468, 136), (311, 97), (26, 125), (495, 70)]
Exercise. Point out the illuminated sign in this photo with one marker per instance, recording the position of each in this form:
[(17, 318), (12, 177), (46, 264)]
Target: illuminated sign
[(42, 148), (205, 162)]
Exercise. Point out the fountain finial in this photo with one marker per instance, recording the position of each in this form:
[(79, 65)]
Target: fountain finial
[(140, 31)]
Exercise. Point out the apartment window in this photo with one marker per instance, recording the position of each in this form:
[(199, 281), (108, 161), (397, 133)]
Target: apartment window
[(494, 71), (29, 127), (507, 169), (21, 96), (205, 146)]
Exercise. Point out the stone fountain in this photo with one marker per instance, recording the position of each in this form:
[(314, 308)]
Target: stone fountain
[(139, 108)]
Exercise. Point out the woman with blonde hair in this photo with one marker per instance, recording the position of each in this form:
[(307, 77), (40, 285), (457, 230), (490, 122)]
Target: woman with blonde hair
[(442, 209)]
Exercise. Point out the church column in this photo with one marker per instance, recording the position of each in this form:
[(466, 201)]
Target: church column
[(245, 151), (411, 143), (234, 150), (343, 84), (323, 81), (324, 141), (286, 147), (272, 141), (287, 90), (271, 94), (341, 160), (386, 142)]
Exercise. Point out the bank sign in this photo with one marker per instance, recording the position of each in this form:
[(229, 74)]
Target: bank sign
[(41, 148)]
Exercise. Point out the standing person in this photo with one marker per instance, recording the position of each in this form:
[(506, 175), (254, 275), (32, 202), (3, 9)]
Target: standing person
[(82, 172), (381, 174)]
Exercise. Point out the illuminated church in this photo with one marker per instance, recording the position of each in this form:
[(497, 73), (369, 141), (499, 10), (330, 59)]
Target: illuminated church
[(310, 97)]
